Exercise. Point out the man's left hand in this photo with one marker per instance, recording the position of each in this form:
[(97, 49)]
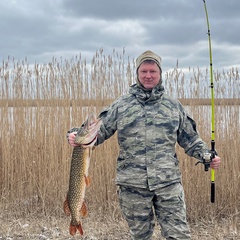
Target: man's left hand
[(215, 164)]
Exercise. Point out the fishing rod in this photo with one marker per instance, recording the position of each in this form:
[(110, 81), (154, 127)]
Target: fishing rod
[(213, 152), (207, 158)]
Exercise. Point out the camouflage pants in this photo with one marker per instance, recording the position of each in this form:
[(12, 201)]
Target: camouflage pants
[(139, 205)]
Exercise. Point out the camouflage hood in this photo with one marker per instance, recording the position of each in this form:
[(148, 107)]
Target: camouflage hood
[(148, 55), (144, 96)]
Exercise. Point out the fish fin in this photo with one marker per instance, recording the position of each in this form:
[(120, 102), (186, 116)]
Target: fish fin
[(79, 228), (66, 208), (84, 211), (87, 180), (73, 229)]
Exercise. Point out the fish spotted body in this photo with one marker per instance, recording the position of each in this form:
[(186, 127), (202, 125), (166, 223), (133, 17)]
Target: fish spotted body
[(79, 178)]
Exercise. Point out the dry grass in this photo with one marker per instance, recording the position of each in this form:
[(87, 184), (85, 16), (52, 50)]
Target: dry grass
[(35, 157), (99, 227)]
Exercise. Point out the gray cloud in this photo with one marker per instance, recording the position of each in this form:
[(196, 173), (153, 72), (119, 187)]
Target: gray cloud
[(176, 29)]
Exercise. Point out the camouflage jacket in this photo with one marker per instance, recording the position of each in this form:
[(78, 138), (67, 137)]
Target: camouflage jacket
[(149, 124)]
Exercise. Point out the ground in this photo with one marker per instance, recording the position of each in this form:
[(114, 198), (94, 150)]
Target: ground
[(52, 227)]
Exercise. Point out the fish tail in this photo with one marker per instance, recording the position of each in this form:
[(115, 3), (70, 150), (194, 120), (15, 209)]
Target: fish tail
[(73, 229)]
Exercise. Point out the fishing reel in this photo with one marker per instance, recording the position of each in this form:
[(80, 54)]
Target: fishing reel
[(207, 159)]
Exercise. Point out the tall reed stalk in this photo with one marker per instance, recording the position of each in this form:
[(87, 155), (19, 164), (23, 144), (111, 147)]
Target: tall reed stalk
[(39, 103)]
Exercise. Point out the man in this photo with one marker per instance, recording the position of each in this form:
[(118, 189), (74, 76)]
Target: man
[(149, 124)]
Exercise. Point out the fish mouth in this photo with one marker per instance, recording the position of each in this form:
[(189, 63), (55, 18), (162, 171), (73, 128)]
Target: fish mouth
[(91, 143), (87, 135)]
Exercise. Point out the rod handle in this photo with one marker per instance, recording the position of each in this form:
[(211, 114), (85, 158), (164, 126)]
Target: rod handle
[(212, 192)]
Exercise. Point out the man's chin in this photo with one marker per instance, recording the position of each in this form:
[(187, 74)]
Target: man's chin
[(148, 87)]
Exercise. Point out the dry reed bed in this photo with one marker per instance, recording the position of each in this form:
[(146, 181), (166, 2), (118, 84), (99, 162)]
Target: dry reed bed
[(35, 157)]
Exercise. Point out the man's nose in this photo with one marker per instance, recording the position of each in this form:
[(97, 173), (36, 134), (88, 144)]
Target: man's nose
[(148, 74)]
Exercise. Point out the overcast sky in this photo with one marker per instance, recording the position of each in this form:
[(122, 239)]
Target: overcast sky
[(175, 29)]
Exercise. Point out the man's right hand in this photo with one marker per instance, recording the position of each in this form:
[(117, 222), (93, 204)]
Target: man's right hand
[(71, 139)]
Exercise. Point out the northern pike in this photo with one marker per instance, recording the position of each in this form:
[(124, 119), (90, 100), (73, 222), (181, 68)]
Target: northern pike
[(79, 179)]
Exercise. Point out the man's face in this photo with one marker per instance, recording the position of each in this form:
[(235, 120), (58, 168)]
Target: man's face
[(149, 74)]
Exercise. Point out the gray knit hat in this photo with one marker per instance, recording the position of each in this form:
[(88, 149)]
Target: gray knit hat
[(148, 55)]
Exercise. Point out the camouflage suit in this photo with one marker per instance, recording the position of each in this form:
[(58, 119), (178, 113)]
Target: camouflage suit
[(149, 124)]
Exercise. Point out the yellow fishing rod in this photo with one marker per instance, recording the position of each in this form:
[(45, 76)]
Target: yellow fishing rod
[(207, 158), (213, 152)]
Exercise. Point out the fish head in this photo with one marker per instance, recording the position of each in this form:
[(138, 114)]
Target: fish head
[(87, 134)]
